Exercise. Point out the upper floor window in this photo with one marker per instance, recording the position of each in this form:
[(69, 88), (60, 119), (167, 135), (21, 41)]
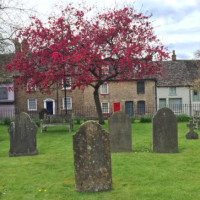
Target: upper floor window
[(32, 104), (140, 87), (104, 88), (105, 70), (3, 93), (195, 96), (30, 86), (67, 83), (172, 90), (68, 102)]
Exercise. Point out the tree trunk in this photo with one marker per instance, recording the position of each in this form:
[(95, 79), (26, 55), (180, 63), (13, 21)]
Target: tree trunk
[(98, 105)]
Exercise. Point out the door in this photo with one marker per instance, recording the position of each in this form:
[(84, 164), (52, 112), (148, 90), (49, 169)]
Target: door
[(116, 106), (49, 106), (129, 108)]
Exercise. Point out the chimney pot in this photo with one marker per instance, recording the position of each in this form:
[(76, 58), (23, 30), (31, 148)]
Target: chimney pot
[(173, 55)]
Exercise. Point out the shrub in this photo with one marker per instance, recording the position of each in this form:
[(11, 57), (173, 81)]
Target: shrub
[(78, 120), (145, 119), (7, 121), (132, 119), (37, 122), (183, 118)]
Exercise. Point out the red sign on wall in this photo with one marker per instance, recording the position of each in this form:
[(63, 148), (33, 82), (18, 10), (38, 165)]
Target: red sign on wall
[(116, 106)]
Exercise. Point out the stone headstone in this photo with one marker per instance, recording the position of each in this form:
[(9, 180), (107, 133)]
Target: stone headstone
[(165, 132), (92, 158), (23, 136), (191, 134), (119, 125)]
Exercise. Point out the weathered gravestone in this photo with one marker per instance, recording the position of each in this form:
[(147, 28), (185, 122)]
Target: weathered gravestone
[(92, 158), (191, 134), (119, 125), (165, 132), (23, 136)]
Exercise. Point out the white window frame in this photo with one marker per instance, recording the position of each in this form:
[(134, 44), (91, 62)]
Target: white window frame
[(103, 108), (30, 87), (29, 107), (70, 82), (69, 103), (172, 91), (104, 90), (105, 69)]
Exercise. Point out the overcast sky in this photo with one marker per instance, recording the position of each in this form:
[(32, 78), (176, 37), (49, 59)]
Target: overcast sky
[(176, 22)]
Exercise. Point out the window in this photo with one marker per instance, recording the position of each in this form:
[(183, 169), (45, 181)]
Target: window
[(105, 107), (162, 103), (140, 87), (104, 88), (69, 103), (3, 93), (172, 91), (175, 105), (68, 83), (32, 104), (141, 107), (195, 96), (105, 70), (30, 86)]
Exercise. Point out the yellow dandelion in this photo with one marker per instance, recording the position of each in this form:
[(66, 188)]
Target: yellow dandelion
[(39, 190), (45, 190)]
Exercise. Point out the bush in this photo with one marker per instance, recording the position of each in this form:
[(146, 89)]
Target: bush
[(132, 119), (183, 118), (7, 121), (78, 120), (145, 119), (37, 122)]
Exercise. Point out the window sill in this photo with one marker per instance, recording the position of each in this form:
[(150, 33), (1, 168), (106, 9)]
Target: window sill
[(105, 94)]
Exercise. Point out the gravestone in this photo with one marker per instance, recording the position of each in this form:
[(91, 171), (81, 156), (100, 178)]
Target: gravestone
[(119, 125), (165, 132), (92, 158), (22, 136), (191, 134)]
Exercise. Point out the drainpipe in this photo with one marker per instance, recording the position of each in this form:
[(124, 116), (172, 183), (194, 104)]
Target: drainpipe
[(156, 95), (190, 102)]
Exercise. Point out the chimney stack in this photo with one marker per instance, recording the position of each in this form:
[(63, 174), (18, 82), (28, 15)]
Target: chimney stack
[(173, 55)]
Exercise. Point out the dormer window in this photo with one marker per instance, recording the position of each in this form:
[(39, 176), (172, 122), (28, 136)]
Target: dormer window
[(67, 84)]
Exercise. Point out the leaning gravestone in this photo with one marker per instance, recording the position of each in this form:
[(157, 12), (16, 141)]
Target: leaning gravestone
[(120, 132), (23, 136), (165, 134), (191, 134), (92, 158)]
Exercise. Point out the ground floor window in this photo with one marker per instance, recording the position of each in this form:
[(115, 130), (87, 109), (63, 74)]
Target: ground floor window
[(141, 107), (162, 103), (175, 104), (32, 104), (68, 102), (105, 107)]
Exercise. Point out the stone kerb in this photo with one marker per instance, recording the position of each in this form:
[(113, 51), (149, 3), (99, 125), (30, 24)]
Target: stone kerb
[(23, 136), (119, 125), (92, 158), (165, 132)]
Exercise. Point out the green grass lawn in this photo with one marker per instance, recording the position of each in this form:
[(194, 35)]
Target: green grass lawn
[(140, 175)]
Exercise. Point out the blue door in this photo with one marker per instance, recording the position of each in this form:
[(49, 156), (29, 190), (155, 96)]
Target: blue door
[(129, 108), (49, 105)]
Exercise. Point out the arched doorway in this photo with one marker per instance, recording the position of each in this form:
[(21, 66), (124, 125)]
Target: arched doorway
[(49, 104)]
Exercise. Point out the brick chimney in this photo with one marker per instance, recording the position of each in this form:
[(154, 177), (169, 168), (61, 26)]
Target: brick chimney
[(173, 55)]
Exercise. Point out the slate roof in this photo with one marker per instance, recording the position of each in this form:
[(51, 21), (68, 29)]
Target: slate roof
[(4, 60), (179, 73)]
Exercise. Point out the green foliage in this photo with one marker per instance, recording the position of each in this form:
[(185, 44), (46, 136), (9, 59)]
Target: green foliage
[(132, 119), (37, 121), (78, 120), (145, 119), (7, 121), (183, 118)]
